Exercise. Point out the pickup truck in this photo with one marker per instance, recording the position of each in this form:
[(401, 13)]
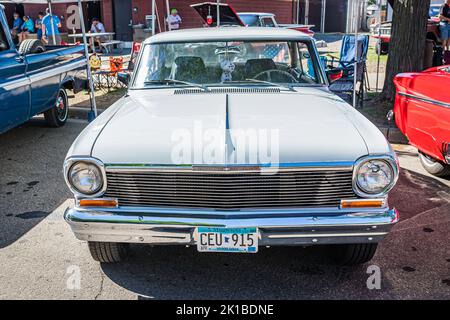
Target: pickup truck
[(382, 31), (34, 79)]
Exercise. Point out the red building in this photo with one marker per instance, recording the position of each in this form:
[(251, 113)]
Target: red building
[(117, 15)]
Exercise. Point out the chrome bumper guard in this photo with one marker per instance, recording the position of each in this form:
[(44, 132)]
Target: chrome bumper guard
[(161, 226)]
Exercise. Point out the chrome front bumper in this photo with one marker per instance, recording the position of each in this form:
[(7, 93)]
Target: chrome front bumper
[(162, 226)]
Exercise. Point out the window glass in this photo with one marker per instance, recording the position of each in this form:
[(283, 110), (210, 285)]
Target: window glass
[(228, 63), (268, 22), (250, 20)]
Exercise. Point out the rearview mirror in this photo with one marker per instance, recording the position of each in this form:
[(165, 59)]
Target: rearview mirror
[(124, 78), (334, 74)]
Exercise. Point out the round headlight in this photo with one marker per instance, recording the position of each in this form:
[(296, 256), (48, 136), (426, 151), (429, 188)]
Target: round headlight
[(374, 176), (85, 177)]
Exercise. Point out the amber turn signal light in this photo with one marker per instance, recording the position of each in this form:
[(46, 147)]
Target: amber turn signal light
[(362, 203), (105, 203)]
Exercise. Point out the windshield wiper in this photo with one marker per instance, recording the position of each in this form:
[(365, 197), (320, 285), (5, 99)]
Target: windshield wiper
[(167, 81), (288, 87)]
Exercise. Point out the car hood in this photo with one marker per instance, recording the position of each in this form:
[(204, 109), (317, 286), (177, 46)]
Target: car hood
[(160, 127), (227, 14)]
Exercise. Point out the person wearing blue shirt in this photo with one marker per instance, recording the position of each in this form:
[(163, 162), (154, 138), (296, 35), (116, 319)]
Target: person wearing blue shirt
[(38, 25), (17, 26), (27, 28), (47, 29)]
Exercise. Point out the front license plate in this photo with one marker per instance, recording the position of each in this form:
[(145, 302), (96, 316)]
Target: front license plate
[(227, 239)]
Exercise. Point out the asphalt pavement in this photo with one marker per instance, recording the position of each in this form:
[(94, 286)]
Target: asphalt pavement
[(41, 259)]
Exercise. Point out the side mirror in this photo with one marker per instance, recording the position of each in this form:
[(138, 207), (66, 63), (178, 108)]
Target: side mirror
[(334, 74), (124, 78)]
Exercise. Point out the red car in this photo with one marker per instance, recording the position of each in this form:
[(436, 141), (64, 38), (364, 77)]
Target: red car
[(422, 113), (383, 32)]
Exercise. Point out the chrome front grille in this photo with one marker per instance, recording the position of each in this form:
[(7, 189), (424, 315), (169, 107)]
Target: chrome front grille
[(230, 190), (227, 90)]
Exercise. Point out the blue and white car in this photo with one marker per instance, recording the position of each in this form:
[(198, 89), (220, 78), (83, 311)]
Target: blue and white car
[(229, 139)]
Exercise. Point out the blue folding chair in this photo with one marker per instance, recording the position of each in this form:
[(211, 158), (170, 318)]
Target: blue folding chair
[(346, 62)]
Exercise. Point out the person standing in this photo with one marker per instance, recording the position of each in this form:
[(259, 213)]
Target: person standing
[(174, 20), (444, 25), (50, 24), (38, 25)]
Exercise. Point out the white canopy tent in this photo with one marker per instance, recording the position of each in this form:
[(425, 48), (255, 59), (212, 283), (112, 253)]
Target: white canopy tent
[(83, 30)]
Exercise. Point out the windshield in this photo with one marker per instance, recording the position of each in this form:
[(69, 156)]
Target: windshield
[(234, 63), (250, 20)]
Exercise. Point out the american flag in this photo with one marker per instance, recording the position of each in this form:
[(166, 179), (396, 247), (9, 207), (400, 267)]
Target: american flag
[(277, 52)]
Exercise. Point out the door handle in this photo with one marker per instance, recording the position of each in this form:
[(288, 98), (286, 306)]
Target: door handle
[(20, 59)]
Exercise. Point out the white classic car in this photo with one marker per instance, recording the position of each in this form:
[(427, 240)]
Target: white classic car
[(229, 140)]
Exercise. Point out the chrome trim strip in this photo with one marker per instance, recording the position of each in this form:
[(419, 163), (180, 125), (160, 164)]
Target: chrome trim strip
[(231, 168), (167, 211), (27, 80), (15, 84), (56, 71), (368, 234), (299, 230), (423, 99), (68, 164)]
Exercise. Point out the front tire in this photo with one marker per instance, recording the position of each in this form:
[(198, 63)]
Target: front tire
[(108, 252), (354, 254), (434, 166), (57, 116)]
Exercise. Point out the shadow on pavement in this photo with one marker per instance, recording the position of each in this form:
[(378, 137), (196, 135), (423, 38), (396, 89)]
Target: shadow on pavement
[(274, 273), (31, 180), (416, 193)]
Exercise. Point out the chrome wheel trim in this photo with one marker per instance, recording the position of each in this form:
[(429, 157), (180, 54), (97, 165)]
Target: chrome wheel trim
[(62, 111)]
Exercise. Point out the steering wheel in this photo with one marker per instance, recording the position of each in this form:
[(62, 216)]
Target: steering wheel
[(269, 75)]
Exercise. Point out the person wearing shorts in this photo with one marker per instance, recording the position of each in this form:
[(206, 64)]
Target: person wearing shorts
[(444, 25), (50, 24)]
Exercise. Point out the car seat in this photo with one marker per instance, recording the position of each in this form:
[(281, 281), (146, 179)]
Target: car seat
[(256, 66), (188, 68)]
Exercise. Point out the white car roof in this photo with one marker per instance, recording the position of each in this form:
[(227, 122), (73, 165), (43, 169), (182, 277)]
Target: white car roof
[(227, 34), (257, 13)]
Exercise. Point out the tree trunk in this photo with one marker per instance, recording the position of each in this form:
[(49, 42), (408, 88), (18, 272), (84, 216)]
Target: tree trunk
[(407, 45)]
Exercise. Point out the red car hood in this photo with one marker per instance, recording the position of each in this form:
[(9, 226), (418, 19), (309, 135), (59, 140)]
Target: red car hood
[(227, 15)]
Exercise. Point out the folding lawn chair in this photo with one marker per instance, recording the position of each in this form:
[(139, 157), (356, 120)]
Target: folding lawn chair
[(346, 62), (105, 79)]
